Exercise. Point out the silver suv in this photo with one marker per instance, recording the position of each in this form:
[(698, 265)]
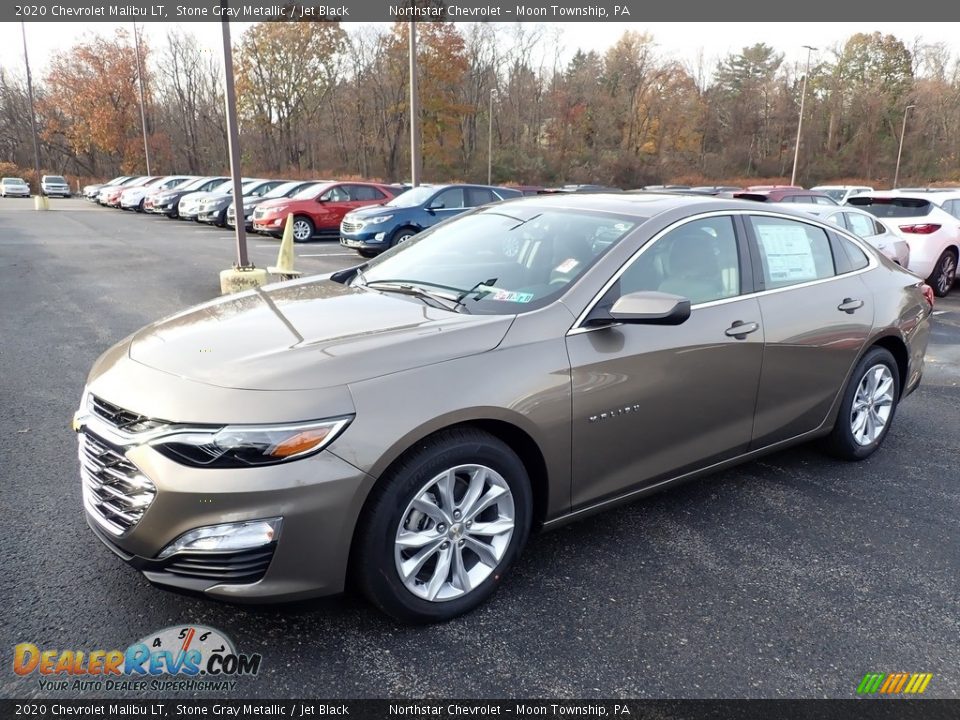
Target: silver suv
[(54, 185)]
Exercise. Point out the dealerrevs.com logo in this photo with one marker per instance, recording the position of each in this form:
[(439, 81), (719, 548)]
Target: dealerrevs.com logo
[(191, 657)]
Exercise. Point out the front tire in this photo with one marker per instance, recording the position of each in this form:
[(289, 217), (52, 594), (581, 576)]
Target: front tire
[(443, 527), (402, 236), (944, 274), (302, 229), (868, 407)]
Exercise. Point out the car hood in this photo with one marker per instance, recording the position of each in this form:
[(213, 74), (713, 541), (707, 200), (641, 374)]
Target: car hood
[(309, 334), (375, 210), (273, 203)]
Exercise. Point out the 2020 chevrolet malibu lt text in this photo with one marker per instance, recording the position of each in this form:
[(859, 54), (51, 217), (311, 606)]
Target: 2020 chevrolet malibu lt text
[(409, 421)]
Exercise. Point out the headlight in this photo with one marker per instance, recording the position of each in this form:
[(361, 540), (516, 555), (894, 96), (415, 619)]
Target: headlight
[(279, 209), (378, 220), (239, 446)]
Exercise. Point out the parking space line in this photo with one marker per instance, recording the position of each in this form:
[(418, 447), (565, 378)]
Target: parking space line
[(333, 254)]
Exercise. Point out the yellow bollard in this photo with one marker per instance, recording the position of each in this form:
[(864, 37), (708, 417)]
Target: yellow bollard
[(284, 267), (40, 202)]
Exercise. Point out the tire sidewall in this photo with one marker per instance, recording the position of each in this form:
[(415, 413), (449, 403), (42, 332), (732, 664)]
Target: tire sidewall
[(843, 434), (383, 582), (938, 272), (402, 235)]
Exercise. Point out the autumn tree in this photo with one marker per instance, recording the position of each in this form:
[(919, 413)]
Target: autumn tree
[(284, 72), (91, 105)]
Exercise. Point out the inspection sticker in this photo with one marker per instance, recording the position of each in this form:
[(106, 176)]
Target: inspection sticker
[(510, 296)]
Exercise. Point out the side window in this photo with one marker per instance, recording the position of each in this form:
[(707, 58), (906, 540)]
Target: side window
[(858, 260), (452, 198), (698, 261), (335, 194), (861, 225), (791, 252), (952, 207), (364, 192), (838, 220), (879, 227), (479, 196), (822, 200)]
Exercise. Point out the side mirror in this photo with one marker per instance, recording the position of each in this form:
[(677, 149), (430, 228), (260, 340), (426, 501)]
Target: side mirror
[(438, 205), (647, 307), (323, 199)]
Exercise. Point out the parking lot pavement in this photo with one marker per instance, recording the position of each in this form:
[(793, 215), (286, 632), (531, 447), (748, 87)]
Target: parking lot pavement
[(792, 576)]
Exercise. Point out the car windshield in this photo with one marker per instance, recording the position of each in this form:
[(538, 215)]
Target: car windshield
[(194, 184), (56, 179), (310, 192), (413, 197), (13, 181), (489, 262), (892, 207), (225, 187), (836, 193), (282, 191)]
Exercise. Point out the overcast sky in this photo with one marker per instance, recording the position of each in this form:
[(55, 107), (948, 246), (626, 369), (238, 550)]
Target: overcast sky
[(682, 41)]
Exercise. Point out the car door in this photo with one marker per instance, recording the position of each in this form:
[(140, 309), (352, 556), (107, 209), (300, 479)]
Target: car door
[(327, 211), (444, 204), (654, 401), (817, 315)]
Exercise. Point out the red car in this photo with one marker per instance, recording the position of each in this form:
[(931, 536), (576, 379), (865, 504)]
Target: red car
[(318, 209)]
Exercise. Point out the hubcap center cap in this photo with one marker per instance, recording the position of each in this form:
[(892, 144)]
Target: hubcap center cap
[(456, 531)]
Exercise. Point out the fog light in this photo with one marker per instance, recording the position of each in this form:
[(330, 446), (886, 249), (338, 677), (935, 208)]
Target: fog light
[(379, 237), (228, 537)]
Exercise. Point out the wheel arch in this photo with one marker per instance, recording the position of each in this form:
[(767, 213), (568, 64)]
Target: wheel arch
[(515, 437)]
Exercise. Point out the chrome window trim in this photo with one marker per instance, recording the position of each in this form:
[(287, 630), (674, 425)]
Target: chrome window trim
[(578, 328)]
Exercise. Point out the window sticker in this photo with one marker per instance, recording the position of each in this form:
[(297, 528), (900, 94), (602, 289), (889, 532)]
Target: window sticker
[(567, 265), (788, 251), (510, 296)]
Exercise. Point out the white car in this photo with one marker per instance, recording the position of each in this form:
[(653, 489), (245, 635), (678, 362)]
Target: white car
[(929, 222), (866, 226), (14, 187), (133, 198), (842, 193), (189, 205), (54, 185)]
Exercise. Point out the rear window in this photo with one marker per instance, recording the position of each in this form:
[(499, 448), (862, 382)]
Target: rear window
[(895, 207)]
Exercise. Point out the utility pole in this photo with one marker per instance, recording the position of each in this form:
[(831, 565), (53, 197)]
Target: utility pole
[(903, 131), (803, 97), (143, 114), (490, 141), (414, 110), (33, 117)]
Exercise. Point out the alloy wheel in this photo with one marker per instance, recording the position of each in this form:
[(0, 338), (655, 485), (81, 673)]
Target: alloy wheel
[(454, 533), (301, 230), (948, 273), (872, 405)]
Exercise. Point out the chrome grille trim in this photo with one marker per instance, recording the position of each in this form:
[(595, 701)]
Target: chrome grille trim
[(351, 227), (115, 492)]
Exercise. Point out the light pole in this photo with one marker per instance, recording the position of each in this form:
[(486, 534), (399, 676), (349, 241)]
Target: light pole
[(903, 130), (414, 110), (143, 114), (803, 98), (33, 114), (490, 140)]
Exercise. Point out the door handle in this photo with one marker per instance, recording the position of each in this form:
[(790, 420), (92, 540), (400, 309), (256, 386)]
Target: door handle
[(849, 305), (740, 329)]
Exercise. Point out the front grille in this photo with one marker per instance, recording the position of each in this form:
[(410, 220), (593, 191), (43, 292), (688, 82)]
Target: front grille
[(115, 492), (245, 566), (350, 227), (124, 420), (258, 213)]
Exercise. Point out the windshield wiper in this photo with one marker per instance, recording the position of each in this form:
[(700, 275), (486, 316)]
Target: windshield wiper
[(406, 287), (481, 290)]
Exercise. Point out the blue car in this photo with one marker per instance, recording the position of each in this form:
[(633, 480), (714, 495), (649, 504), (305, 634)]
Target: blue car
[(371, 230)]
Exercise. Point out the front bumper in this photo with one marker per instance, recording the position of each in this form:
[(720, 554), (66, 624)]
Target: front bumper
[(211, 216), (16, 193), (316, 498), (60, 191), (269, 225), (366, 240)]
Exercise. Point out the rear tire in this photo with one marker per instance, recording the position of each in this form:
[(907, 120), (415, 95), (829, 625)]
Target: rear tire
[(460, 502), (868, 407), (944, 274)]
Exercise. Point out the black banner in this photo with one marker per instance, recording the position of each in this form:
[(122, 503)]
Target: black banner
[(542, 11), (892, 709)]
